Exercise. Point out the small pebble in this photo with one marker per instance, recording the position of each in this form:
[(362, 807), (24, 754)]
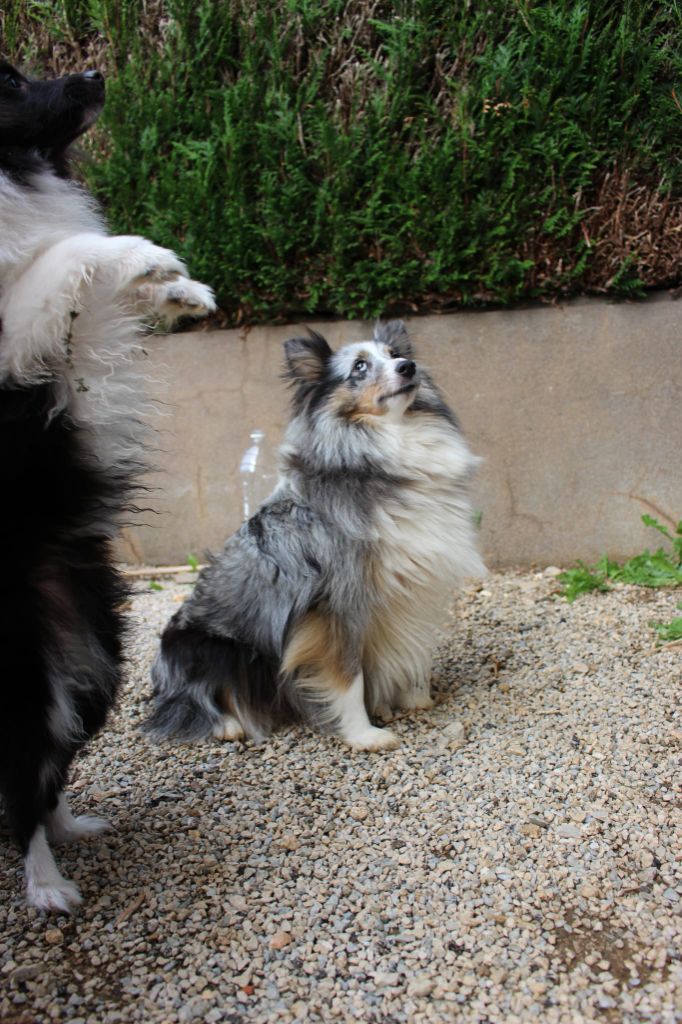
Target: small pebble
[(537, 819), (280, 939), (568, 831), (454, 736), (386, 979), (420, 986)]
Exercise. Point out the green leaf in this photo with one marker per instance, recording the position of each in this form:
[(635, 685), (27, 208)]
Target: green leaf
[(649, 569), (581, 580), (650, 521), (669, 631)]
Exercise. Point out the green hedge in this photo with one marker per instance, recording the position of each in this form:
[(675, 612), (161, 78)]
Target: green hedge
[(364, 157)]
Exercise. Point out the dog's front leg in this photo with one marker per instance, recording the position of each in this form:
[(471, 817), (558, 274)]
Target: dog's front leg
[(153, 281), (351, 722), (125, 273), (38, 308), (170, 300), (326, 678)]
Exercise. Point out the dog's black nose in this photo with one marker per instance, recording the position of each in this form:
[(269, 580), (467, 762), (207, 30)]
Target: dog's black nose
[(406, 368), (85, 87)]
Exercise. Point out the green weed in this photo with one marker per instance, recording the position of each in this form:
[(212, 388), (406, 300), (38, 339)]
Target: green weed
[(659, 568), (581, 580), (669, 632)]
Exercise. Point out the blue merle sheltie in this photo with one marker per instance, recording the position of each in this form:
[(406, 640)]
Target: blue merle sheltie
[(72, 442), (322, 607)]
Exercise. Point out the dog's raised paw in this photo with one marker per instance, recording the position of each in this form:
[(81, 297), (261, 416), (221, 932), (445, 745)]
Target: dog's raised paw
[(156, 264), (179, 297), (130, 261), (191, 297)]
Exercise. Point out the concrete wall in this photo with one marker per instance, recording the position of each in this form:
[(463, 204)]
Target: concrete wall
[(576, 410)]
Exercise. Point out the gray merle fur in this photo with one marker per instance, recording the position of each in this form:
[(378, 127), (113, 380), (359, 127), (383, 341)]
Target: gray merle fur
[(317, 548)]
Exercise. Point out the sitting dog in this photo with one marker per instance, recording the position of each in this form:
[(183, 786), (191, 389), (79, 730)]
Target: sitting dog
[(72, 441), (322, 607)]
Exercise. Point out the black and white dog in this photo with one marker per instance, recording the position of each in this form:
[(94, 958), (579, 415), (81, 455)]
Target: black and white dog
[(72, 443), (322, 607)]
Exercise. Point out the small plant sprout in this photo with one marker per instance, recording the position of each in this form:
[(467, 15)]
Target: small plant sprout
[(669, 632)]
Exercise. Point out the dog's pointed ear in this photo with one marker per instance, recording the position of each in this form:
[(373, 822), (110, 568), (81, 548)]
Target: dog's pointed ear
[(307, 358), (393, 334)]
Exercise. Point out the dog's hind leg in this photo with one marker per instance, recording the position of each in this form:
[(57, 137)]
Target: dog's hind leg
[(38, 813), (32, 766), (207, 685)]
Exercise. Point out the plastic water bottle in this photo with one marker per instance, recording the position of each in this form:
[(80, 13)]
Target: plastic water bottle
[(257, 473)]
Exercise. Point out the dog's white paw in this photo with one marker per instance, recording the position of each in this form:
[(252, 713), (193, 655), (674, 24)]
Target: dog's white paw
[(143, 261), (61, 897), (46, 888), (178, 297), (65, 827), (127, 262), (373, 739), (228, 729)]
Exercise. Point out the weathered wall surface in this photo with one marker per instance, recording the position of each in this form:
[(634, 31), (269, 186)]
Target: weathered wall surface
[(576, 410)]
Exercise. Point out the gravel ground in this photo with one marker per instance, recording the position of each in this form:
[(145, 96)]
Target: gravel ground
[(514, 860)]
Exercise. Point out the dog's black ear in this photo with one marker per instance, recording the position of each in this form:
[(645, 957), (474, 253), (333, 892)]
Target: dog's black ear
[(393, 334), (307, 358)]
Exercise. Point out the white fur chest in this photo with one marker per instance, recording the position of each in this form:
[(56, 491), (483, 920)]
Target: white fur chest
[(35, 217), (426, 534), (426, 545)]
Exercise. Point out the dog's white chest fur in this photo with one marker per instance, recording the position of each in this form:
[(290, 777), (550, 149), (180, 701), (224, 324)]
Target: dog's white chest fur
[(426, 528), (36, 218), (425, 545)]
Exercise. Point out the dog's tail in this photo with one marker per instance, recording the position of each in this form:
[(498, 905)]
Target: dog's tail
[(200, 678)]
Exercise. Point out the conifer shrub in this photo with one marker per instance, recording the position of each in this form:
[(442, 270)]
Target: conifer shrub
[(367, 157)]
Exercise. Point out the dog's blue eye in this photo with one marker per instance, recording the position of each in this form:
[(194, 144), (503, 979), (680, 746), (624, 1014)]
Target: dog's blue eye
[(10, 81), (360, 366)]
